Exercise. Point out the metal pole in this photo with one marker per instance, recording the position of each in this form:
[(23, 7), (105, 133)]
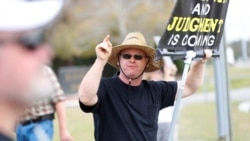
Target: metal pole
[(190, 55), (219, 107), (244, 50), (227, 92), (222, 96)]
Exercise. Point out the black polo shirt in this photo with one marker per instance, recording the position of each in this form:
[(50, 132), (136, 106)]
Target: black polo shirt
[(129, 113)]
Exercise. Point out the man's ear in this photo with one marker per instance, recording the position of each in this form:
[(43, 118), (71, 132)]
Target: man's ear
[(118, 64)]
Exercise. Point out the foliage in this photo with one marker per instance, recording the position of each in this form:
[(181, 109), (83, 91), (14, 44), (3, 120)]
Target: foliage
[(180, 66), (84, 24)]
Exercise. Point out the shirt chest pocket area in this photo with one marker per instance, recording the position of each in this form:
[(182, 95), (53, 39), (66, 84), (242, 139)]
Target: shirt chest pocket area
[(152, 113)]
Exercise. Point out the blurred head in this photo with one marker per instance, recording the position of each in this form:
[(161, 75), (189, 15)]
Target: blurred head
[(19, 65), (23, 51)]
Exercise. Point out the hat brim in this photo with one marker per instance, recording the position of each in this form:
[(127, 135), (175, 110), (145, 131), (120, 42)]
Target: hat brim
[(153, 65), (19, 15)]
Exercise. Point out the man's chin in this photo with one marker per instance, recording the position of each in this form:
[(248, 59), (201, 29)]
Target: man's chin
[(133, 75), (23, 96)]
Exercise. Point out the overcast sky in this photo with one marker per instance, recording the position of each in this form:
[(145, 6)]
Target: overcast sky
[(238, 20)]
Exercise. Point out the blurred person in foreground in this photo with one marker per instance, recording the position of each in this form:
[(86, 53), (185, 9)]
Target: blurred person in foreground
[(40, 114), (126, 107), (22, 54)]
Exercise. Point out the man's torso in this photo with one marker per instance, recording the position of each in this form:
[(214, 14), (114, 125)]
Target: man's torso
[(130, 113)]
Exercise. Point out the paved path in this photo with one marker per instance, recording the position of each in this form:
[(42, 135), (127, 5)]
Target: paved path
[(242, 94)]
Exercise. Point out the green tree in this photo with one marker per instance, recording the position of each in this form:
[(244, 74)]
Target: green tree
[(84, 24)]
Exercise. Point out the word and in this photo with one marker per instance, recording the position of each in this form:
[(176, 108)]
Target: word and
[(198, 30)]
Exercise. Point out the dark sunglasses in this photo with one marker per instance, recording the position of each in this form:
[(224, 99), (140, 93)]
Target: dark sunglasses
[(30, 41), (136, 56)]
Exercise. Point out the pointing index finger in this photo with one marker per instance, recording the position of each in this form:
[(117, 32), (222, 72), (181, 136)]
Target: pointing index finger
[(106, 39)]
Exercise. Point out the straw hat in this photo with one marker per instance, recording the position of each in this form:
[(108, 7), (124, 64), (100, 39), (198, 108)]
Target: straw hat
[(137, 41)]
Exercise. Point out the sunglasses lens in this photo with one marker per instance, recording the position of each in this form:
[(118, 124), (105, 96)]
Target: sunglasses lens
[(126, 56), (32, 40), (138, 57), (129, 56)]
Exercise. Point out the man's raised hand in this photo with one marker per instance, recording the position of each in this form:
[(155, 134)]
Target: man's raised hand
[(104, 49)]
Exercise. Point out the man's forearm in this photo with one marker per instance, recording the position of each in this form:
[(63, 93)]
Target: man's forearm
[(63, 130), (195, 77), (88, 89), (61, 114)]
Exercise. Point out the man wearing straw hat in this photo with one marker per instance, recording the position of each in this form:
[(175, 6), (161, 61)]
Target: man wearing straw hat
[(22, 54), (125, 107)]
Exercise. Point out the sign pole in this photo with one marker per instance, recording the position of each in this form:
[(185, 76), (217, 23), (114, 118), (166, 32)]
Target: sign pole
[(222, 96), (188, 60), (195, 25)]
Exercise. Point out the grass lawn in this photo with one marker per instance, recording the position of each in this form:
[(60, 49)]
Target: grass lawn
[(80, 125), (197, 123)]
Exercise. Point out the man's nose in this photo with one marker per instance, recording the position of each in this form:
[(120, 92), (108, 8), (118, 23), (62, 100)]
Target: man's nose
[(132, 59)]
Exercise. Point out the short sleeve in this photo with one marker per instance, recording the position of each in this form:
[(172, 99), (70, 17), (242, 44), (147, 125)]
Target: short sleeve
[(98, 106), (89, 109), (169, 90)]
